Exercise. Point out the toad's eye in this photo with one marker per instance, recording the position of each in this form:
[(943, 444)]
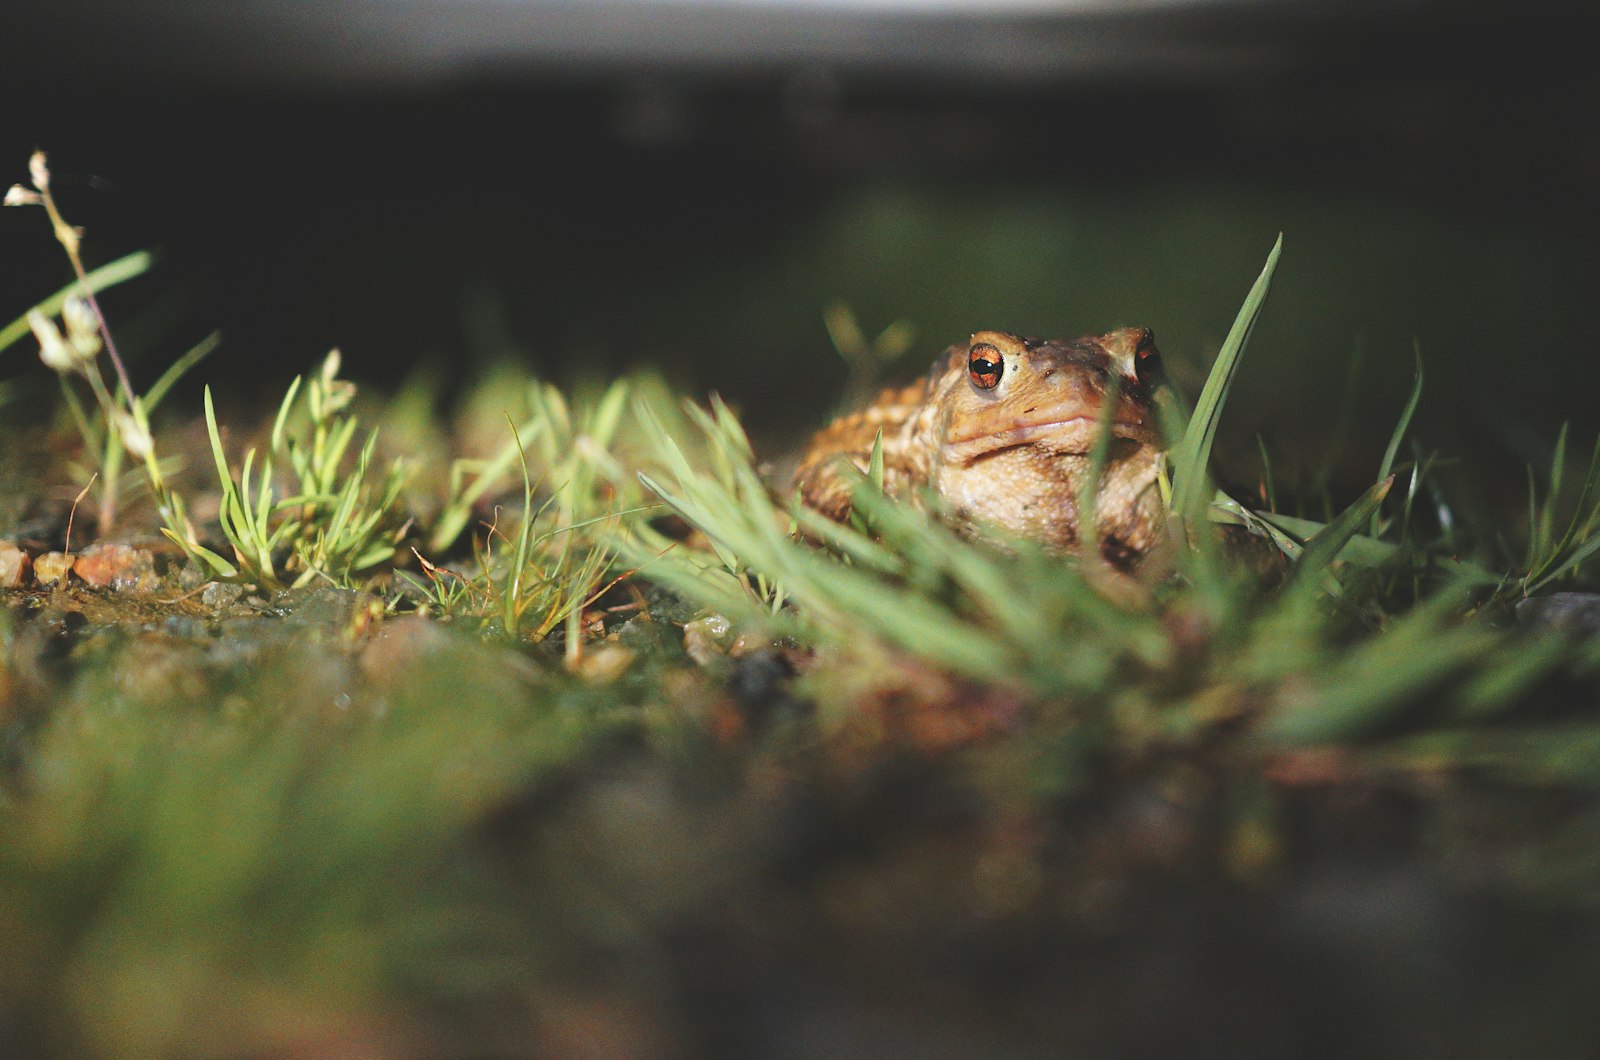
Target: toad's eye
[(1147, 361), (985, 366)]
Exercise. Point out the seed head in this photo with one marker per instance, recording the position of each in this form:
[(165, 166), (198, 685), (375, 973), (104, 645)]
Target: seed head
[(56, 353), (336, 393), (83, 328), (135, 435), (39, 170), (20, 196)]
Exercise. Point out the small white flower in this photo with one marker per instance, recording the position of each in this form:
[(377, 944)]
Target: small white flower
[(20, 196), (39, 171), (135, 435), (83, 330), (54, 350)]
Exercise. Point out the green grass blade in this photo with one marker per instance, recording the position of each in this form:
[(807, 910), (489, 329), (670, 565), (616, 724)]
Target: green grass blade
[(873, 481), (89, 428), (608, 415), (1576, 559), (1562, 557), (221, 566), (1192, 455), (457, 512), (109, 275), (1099, 454), (180, 368), (257, 511), (1326, 545), (283, 414), (1401, 426), (1227, 511), (224, 478), (1380, 681), (1544, 515), (1269, 488), (332, 454)]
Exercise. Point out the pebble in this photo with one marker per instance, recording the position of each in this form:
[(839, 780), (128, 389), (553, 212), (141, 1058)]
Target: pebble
[(604, 663), (218, 595), (52, 567), (14, 564), (707, 639), (120, 568), (1571, 613)]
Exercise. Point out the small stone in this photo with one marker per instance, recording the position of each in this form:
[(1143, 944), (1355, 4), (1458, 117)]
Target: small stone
[(604, 663), (120, 568), (219, 595), (707, 639), (1575, 614), (746, 644), (52, 567), (14, 564)]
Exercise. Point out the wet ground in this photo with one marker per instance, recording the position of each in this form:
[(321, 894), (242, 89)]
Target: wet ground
[(306, 823)]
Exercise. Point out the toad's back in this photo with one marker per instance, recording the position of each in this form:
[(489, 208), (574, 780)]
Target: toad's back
[(851, 438)]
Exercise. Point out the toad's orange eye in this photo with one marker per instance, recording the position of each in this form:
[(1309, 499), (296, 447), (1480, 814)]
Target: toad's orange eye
[(984, 366), (1146, 360)]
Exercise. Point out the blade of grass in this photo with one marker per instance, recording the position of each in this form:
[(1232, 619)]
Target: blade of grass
[(1558, 475), (1099, 454), (1380, 681), (108, 275), (1269, 488), (1192, 455), (1400, 428), (1325, 546), (1578, 556), (282, 418), (875, 464), (179, 368), (1564, 556)]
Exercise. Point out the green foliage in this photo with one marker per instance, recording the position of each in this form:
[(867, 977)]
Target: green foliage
[(1399, 434), (123, 269), (539, 573), (553, 565), (914, 587), (725, 500), (1191, 456), (73, 349), (177, 870), (1329, 541), (1551, 555), (1327, 656), (472, 478), (335, 526), (865, 359)]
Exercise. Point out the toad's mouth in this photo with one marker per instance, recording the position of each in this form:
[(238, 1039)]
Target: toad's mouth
[(1068, 429)]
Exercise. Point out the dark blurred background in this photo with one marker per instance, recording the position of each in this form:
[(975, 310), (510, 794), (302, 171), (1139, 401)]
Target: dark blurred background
[(596, 185)]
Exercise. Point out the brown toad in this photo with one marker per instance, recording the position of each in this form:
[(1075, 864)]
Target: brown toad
[(1002, 430)]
